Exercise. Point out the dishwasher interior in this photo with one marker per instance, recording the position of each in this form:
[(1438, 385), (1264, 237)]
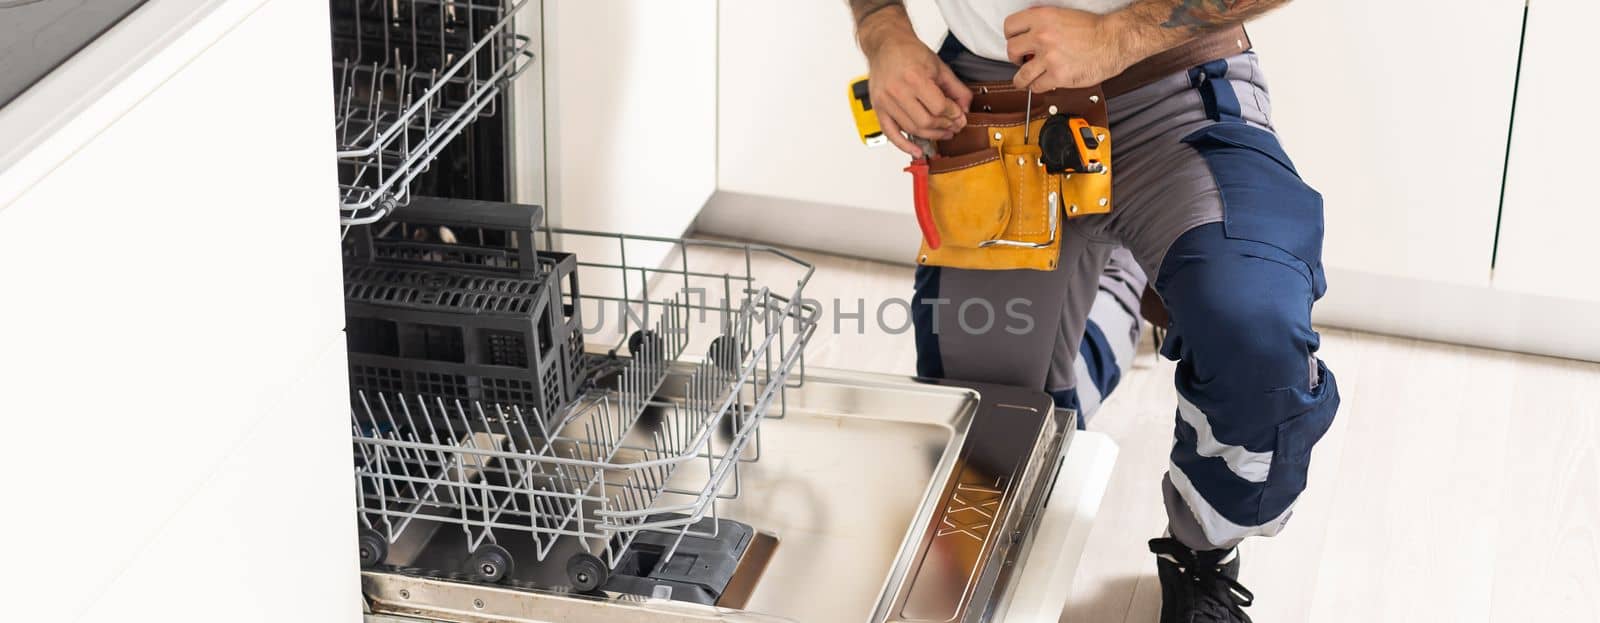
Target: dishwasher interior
[(559, 425)]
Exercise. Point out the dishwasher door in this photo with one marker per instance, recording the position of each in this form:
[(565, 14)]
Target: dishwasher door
[(891, 499)]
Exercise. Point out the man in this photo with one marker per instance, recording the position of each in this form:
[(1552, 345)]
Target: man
[(1208, 204)]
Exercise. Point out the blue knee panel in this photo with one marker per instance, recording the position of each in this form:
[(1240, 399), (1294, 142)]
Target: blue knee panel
[(1241, 326), (1100, 360), (930, 363), (1240, 295), (1263, 196)]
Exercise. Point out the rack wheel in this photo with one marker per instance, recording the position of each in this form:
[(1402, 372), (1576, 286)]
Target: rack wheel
[(727, 353), (639, 339), (373, 547), (587, 572), (491, 563)]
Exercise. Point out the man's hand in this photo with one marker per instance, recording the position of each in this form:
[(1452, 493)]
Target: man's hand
[(1075, 49), (911, 89), (1063, 48)]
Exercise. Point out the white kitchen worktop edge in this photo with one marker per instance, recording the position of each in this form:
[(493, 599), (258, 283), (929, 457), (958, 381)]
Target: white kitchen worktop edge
[(66, 109)]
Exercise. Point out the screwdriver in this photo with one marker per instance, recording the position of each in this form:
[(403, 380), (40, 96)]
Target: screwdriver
[(1027, 116), (1027, 107)]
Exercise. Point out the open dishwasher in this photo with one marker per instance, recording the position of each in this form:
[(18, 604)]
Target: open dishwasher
[(559, 425)]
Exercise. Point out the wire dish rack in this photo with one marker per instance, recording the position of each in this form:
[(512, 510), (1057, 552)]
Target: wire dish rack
[(409, 76), (576, 489)]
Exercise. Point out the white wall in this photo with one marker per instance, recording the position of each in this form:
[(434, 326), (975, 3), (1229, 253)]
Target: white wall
[(786, 128), (171, 356), (791, 168)]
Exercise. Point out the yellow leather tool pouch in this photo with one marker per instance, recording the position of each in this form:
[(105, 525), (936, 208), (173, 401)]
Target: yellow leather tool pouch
[(968, 198), (994, 204)]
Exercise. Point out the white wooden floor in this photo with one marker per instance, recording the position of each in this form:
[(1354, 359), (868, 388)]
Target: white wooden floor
[(1457, 484)]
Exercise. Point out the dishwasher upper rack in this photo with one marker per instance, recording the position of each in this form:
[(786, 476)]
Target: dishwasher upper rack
[(410, 76), (612, 465), (745, 306)]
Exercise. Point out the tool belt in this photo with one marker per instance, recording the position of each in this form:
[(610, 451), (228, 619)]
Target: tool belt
[(997, 195)]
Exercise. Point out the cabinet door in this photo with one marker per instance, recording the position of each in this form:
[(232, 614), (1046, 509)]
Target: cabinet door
[(161, 290), (630, 114), (1397, 112), (266, 535), (1552, 209), (631, 95)]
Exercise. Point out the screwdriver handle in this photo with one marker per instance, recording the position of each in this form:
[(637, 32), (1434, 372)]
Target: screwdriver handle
[(919, 197)]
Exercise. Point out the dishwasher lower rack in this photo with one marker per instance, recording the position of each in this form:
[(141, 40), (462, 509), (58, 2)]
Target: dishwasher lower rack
[(571, 493), (943, 529), (410, 76)]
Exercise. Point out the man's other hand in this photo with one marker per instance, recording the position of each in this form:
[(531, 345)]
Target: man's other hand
[(911, 89), (1063, 48)]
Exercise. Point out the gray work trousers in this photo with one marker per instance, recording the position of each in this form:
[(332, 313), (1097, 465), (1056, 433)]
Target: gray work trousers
[(1209, 205)]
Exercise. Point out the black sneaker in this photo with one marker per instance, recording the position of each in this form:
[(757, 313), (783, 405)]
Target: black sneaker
[(1199, 587)]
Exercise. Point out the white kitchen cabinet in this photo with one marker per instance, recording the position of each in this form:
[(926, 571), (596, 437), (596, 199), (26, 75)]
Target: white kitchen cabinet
[(1552, 209), (267, 534), (630, 121), (631, 95), (169, 282), (1397, 112)]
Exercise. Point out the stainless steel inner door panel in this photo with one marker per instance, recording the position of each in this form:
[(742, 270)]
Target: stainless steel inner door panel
[(891, 499)]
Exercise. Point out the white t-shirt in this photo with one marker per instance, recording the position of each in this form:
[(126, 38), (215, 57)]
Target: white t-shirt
[(980, 24)]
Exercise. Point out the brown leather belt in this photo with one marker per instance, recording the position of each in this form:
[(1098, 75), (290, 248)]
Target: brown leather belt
[(1198, 51), (987, 199), (992, 101)]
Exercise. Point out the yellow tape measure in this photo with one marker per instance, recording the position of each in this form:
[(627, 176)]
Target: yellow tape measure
[(867, 128)]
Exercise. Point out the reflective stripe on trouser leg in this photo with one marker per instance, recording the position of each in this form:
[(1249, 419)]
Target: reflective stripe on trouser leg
[(1188, 144), (1111, 335), (1253, 399)]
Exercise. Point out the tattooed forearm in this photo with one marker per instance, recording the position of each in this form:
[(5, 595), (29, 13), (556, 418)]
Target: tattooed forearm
[(1197, 16), (863, 8), (1147, 27)]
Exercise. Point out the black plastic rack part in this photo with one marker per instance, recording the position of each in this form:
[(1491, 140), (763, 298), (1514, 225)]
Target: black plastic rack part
[(452, 300)]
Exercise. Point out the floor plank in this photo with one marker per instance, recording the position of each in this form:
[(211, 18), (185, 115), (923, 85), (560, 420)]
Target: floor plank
[(1457, 484)]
